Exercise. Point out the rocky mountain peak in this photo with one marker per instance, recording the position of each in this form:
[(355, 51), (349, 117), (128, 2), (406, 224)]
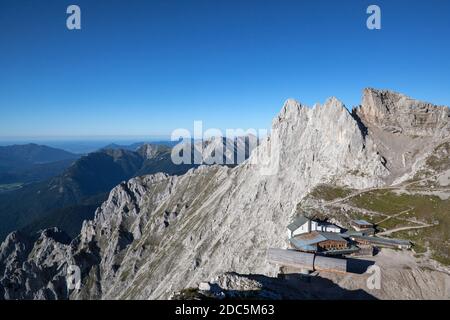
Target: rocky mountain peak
[(398, 113), (334, 102), (294, 112), (321, 141), (15, 245), (291, 109)]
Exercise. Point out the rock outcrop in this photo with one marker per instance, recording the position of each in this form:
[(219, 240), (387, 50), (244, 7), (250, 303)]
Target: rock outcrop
[(397, 113), (405, 131), (35, 269)]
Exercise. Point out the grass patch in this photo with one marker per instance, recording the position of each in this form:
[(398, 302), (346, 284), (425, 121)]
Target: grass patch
[(430, 209), (424, 207), (445, 260), (419, 249), (395, 223), (329, 193)]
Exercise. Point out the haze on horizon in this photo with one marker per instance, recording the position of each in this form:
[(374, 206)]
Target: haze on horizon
[(145, 69)]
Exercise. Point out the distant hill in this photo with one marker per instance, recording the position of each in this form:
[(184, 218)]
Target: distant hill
[(32, 162), (31, 154), (135, 146)]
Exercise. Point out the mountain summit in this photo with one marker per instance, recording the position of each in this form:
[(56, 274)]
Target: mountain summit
[(398, 113)]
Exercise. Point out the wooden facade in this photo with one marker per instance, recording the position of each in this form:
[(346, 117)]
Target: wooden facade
[(332, 245)]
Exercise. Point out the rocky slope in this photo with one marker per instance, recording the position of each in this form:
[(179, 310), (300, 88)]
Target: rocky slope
[(159, 234)]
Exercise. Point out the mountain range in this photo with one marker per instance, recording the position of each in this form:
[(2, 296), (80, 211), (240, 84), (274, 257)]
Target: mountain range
[(70, 197), (158, 234)]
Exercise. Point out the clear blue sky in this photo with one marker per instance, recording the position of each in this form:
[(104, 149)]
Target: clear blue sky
[(148, 67)]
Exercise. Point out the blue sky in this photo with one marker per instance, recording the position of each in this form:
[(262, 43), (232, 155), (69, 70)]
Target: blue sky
[(147, 67)]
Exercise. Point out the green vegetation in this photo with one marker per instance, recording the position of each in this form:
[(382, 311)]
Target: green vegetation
[(423, 207), (392, 223), (444, 259), (329, 193), (429, 209)]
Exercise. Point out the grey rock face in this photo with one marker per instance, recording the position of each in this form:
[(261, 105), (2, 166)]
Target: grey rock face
[(158, 234), (404, 131), (35, 270), (397, 113)]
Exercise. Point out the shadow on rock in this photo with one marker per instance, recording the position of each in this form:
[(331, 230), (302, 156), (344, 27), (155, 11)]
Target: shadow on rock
[(293, 286)]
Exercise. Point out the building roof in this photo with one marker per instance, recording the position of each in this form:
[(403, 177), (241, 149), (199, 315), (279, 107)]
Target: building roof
[(315, 237), (297, 223), (302, 245), (331, 236), (385, 241), (350, 233), (362, 223)]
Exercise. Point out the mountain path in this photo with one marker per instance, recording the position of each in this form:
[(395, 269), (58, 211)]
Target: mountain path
[(384, 233)]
